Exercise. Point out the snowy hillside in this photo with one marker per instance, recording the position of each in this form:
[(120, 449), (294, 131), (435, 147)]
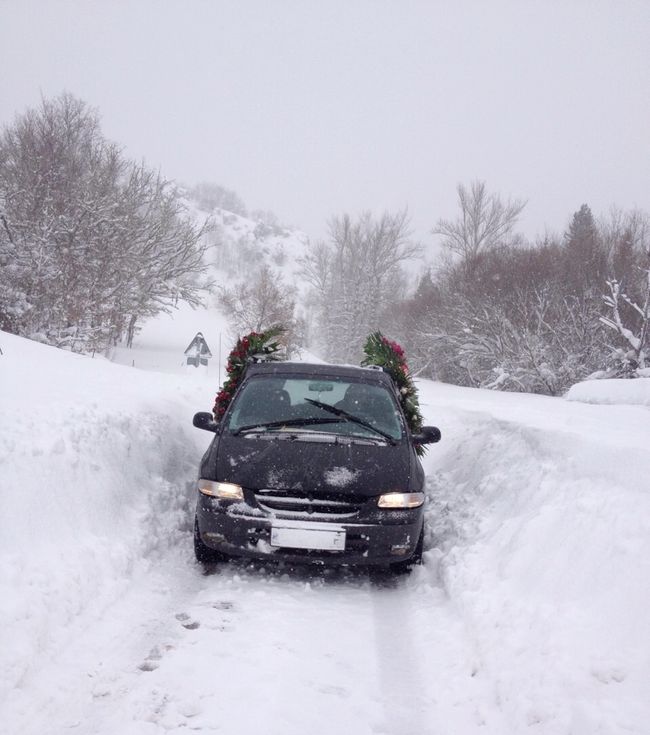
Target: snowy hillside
[(239, 243), (237, 247), (240, 246), (528, 615)]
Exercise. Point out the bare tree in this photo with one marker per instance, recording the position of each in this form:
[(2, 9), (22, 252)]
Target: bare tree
[(625, 236), (261, 302), (356, 276), (90, 241), (630, 319), (511, 322), (209, 196), (485, 221)]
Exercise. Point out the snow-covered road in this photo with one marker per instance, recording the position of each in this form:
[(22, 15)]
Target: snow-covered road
[(528, 615), (250, 647)]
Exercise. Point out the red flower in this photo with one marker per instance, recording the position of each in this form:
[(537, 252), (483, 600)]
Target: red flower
[(393, 347), (396, 349)]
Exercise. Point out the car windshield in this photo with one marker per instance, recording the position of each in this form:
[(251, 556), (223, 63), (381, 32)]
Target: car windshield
[(316, 405)]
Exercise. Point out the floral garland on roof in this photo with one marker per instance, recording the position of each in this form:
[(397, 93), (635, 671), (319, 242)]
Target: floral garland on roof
[(254, 347), (390, 356)]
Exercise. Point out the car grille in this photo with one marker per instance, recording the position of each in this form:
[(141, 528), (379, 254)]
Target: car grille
[(296, 503)]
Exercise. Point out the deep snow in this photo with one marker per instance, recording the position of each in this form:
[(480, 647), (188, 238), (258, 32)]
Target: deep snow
[(528, 615)]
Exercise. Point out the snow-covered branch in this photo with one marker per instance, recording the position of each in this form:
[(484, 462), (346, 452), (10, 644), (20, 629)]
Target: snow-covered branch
[(632, 329)]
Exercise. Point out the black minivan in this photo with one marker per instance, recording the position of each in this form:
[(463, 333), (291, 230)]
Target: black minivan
[(312, 463)]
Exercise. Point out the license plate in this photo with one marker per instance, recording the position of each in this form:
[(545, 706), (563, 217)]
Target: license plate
[(317, 536)]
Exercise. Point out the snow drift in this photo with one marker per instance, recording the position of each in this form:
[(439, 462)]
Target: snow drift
[(540, 516), (633, 392), (96, 460), (529, 614)]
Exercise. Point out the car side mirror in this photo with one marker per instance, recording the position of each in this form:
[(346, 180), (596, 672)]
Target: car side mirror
[(204, 420), (428, 435)]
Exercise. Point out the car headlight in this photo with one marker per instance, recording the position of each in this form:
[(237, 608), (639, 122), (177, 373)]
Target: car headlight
[(222, 490), (400, 500)]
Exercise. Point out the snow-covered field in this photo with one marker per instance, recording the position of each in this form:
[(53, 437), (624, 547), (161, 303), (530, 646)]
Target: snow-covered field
[(529, 615)]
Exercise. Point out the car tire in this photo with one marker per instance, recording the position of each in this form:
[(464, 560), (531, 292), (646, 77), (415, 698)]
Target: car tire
[(401, 567), (204, 554)]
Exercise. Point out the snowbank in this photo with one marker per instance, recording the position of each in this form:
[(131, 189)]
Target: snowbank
[(95, 461), (530, 613), (612, 391), (539, 518)]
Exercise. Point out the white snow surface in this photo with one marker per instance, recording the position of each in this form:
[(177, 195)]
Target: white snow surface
[(635, 391), (529, 614)]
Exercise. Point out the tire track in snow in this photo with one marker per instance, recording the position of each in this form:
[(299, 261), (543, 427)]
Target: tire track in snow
[(246, 648), (430, 675), (404, 699), (300, 649), (252, 648)]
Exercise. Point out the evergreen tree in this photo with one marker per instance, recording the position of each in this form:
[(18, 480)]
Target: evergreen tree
[(585, 260)]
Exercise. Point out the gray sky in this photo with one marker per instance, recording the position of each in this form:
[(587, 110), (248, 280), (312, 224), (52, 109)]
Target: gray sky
[(315, 108)]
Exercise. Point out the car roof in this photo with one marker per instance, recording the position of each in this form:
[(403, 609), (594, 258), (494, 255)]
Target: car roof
[(320, 370)]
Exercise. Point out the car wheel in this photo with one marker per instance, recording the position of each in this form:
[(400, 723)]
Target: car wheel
[(204, 554), (400, 567)]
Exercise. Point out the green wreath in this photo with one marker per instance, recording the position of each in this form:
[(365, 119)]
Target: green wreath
[(390, 356), (254, 347)]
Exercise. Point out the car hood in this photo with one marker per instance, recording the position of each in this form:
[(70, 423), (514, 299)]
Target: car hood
[(281, 464)]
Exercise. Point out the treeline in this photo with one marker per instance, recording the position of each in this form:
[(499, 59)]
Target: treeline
[(91, 243), (498, 312)]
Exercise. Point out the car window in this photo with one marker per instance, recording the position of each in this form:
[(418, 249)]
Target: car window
[(270, 399)]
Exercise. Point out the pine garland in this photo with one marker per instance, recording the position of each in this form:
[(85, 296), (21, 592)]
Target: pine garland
[(254, 347), (390, 356)]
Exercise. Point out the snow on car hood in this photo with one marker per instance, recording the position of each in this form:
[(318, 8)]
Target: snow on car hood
[(280, 464)]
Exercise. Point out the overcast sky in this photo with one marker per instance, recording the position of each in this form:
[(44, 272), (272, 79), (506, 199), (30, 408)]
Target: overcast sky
[(315, 108)]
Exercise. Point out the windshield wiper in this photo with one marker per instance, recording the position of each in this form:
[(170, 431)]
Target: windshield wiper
[(286, 422), (351, 417)]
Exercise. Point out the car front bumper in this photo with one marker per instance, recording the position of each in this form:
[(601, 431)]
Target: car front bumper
[(383, 537)]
